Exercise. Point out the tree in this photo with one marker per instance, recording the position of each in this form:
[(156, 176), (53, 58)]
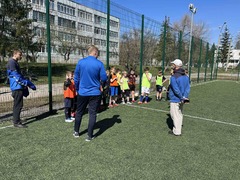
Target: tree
[(15, 30), (225, 46), (200, 30), (130, 48), (170, 44), (237, 45)]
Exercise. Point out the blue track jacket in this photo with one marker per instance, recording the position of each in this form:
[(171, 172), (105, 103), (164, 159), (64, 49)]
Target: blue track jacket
[(16, 79), (88, 75), (179, 86)]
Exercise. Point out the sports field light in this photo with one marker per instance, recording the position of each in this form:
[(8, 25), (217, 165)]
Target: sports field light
[(193, 10)]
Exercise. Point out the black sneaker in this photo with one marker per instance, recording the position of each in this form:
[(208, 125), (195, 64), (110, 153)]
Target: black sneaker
[(20, 125), (76, 134), (89, 139)]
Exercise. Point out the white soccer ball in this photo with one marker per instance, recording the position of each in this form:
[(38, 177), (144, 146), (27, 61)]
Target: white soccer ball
[(136, 94)]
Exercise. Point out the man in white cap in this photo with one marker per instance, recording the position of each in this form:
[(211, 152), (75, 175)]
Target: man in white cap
[(178, 95)]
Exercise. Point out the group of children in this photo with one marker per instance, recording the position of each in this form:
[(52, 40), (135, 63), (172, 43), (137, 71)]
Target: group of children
[(119, 88)]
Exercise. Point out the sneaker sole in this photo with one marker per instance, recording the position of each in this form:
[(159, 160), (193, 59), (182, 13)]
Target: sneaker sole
[(75, 136)]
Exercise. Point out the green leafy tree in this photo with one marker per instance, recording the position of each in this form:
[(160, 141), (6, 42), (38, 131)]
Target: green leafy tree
[(15, 27), (170, 44), (225, 45)]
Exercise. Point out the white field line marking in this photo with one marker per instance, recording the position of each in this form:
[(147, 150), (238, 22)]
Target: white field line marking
[(6, 127), (197, 84), (195, 117)]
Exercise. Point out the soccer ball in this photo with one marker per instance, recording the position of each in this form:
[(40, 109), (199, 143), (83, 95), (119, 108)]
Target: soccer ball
[(136, 94)]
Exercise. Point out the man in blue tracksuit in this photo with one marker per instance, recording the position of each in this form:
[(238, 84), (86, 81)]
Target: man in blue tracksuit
[(19, 87), (88, 75), (178, 95)]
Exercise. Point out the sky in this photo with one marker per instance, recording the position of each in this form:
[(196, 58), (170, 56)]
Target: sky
[(212, 12)]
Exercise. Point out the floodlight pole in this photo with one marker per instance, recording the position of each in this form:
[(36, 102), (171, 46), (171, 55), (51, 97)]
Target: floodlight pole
[(217, 56), (193, 10)]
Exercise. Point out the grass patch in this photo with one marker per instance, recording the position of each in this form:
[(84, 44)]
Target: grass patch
[(133, 142)]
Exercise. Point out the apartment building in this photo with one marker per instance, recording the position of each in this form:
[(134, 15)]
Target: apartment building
[(73, 28)]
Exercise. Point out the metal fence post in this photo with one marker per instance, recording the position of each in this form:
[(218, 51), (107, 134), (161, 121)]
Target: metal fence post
[(212, 64), (199, 61), (141, 55), (108, 34), (190, 63), (238, 71), (206, 62), (164, 46), (49, 56)]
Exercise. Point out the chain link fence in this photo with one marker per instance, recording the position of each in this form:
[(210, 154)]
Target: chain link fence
[(132, 41)]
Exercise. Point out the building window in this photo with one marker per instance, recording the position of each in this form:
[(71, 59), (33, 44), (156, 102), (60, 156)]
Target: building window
[(103, 32), (52, 5), (66, 9), (66, 23), (39, 16)]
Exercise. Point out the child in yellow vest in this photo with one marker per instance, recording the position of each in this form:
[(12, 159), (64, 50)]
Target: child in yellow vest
[(146, 84), (160, 80), (125, 88)]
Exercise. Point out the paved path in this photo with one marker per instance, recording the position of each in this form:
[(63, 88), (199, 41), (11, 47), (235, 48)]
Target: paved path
[(42, 91)]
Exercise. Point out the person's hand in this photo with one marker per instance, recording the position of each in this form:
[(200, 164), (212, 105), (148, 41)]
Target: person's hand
[(33, 87), (185, 101)]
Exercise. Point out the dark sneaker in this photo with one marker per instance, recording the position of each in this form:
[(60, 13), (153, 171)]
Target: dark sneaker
[(89, 139), (76, 134), (20, 125)]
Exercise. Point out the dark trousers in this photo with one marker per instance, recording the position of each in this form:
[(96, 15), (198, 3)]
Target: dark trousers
[(68, 104), (67, 112), (17, 105), (93, 103)]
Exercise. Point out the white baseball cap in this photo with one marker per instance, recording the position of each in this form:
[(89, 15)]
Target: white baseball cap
[(177, 62)]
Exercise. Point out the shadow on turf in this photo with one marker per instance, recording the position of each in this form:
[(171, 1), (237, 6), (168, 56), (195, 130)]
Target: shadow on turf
[(104, 125), (40, 117), (169, 122)]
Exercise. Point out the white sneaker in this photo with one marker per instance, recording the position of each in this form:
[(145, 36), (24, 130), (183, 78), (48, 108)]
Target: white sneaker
[(68, 120), (129, 103), (73, 118), (123, 102)]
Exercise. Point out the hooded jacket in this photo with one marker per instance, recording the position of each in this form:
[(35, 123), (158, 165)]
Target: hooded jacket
[(179, 86)]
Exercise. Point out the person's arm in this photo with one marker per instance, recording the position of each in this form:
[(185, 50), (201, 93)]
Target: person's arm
[(112, 79), (103, 74), (67, 83), (20, 79), (121, 84), (187, 91), (77, 77), (164, 79), (175, 88), (149, 76)]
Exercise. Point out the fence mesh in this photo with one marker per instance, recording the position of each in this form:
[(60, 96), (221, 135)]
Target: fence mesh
[(161, 44)]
